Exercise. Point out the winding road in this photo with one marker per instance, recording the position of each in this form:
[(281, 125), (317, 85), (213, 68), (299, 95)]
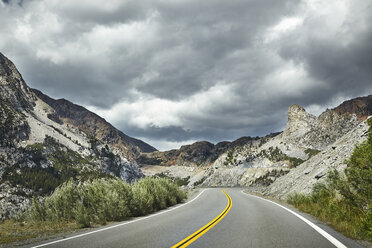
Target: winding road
[(213, 218)]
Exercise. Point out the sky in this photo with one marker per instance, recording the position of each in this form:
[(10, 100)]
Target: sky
[(172, 72)]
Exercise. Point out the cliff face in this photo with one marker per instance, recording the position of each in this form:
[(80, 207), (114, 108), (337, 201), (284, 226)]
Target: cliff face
[(361, 106), (45, 142), (14, 90), (308, 131), (15, 98)]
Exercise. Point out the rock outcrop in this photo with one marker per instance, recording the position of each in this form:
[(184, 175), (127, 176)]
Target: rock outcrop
[(308, 131)]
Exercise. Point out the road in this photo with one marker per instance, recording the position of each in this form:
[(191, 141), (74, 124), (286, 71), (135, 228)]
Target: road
[(210, 219)]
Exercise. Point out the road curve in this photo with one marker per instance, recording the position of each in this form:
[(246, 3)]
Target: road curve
[(250, 222)]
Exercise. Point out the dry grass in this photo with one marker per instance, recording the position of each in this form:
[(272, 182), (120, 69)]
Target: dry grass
[(14, 231)]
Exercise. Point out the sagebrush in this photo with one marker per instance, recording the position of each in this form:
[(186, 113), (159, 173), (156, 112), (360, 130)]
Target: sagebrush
[(101, 200)]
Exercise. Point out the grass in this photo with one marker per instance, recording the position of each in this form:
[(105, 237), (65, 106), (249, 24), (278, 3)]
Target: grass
[(77, 205), (13, 231), (337, 213)]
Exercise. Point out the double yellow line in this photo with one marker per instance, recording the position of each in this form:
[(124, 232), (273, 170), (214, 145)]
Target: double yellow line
[(187, 241)]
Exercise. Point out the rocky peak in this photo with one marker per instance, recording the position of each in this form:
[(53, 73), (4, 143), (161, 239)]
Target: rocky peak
[(299, 122), (308, 131), (13, 89), (298, 113), (8, 69)]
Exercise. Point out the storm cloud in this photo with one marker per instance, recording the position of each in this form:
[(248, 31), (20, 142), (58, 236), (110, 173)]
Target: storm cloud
[(174, 72)]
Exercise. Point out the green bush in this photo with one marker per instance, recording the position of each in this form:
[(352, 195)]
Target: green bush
[(344, 200), (311, 152), (100, 200)]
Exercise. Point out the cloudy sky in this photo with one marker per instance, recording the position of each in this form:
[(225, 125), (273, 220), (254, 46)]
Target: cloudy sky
[(171, 72)]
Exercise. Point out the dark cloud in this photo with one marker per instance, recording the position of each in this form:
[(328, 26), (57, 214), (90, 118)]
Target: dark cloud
[(180, 71), (339, 60)]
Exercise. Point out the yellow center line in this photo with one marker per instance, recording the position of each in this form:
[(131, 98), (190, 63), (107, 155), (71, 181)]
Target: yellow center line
[(187, 241)]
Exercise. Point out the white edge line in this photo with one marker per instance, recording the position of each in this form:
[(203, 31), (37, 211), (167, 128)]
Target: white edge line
[(328, 236), (121, 224)]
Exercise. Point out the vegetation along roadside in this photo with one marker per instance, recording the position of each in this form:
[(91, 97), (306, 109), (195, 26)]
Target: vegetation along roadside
[(76, 205), (344, 200)]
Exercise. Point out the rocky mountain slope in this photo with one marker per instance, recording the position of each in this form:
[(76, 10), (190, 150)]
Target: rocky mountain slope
[(261, 163), (361, 106), (44, 142), (90, 123), (303, 177), (256, 161)]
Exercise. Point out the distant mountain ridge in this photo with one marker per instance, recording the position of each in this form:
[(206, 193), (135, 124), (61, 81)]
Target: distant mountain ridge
[(261, 160), (361, 106), (201, 153)]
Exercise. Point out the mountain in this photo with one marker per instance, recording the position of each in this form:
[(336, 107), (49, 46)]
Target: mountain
[(303, 177), (198, 154), (45, 142), (263, 162), (254, 161), (90, 123), (361, 106)]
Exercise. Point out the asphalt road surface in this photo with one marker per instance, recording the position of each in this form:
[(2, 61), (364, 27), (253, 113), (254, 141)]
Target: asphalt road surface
[(213, 219)]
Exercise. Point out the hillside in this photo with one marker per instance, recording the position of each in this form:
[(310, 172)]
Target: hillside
[(90, 123), (262, 163), (303, 177), (45, 142), (254, 161)]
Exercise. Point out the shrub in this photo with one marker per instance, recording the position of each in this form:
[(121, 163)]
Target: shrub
[(98, 201), (311, 152)]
